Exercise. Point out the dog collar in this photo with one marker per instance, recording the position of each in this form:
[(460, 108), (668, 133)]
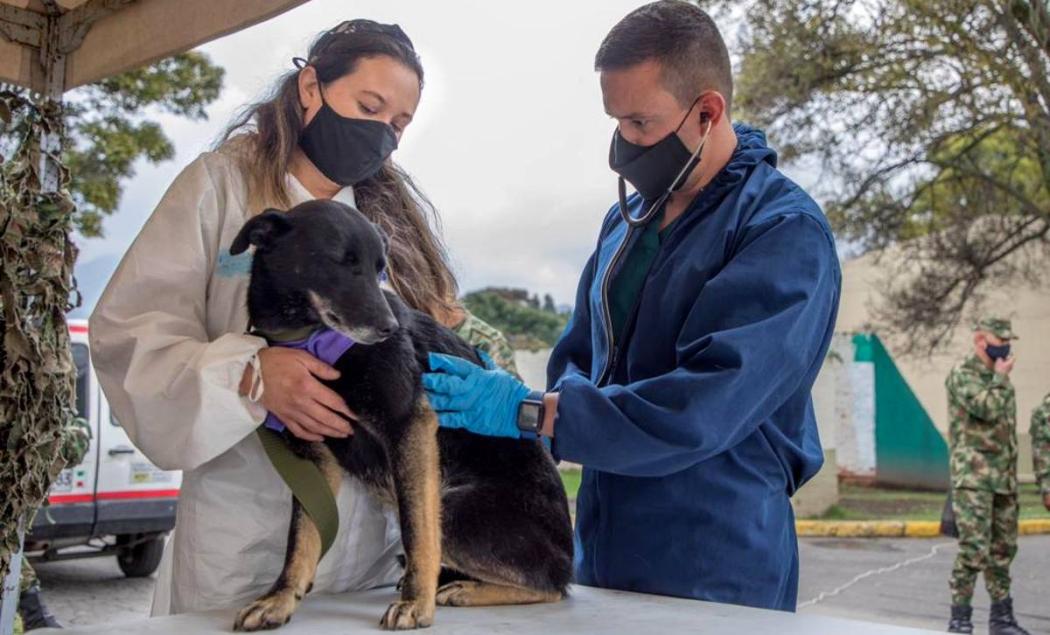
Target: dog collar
[(282, 337), (324, 344)]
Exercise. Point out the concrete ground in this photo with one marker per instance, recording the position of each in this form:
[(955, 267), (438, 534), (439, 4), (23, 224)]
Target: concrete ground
[(91, 592)]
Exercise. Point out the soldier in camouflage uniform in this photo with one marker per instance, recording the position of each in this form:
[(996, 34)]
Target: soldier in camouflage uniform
[(1040, 432), (76, 438), (481, 335), (983, 438)]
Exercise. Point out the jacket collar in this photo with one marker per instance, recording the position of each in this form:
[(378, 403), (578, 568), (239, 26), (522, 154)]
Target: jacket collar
[(299, 194)]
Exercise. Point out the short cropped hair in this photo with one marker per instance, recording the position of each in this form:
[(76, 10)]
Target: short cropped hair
[(682, 38)]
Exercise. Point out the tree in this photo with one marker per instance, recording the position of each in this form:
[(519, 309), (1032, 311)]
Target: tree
[(931, 122), (522, 322), (548, 303), (107, 130)]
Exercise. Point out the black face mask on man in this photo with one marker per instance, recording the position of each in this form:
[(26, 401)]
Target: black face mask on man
[(345, 149), (656, 171)]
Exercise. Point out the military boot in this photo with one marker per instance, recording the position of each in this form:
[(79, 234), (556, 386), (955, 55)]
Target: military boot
[(1001, 619), (33, 610), (961, 619)]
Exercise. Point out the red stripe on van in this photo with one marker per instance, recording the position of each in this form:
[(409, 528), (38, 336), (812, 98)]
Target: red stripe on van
[(77, 329), (70, 498), (59, 499)]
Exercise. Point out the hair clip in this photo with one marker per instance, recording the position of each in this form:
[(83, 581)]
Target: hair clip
[(361, 25)]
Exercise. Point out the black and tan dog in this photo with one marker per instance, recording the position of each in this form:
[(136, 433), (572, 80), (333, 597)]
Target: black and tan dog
[(492, 511)]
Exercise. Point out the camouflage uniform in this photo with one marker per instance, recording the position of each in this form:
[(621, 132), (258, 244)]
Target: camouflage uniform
[(28, 579), (1040, 431), (983, 439), (486, 338), (76, 438)]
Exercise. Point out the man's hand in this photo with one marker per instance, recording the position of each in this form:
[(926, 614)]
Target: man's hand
[(292, 392), (483, 401), (1004, 366)]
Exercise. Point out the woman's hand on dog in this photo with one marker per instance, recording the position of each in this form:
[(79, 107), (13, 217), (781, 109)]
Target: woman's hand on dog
[(292, 391)]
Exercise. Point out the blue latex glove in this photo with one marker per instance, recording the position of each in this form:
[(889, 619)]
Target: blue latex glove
[(480, 400)]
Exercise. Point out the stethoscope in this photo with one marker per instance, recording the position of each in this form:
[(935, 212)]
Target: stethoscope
[(679, 180)]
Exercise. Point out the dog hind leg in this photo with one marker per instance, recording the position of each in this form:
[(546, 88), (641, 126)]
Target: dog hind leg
[(300, 561), (476, 593), (510, 556)]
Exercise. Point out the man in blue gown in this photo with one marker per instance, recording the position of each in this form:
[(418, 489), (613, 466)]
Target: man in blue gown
[(682, 382)]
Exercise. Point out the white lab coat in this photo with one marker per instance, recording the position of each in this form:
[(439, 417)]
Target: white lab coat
[(169, 346)]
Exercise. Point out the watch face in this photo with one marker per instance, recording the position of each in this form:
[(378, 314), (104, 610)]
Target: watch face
[(529, 416)]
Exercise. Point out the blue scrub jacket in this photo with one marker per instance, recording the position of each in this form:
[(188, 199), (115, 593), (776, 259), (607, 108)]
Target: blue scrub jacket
[(696, 430)]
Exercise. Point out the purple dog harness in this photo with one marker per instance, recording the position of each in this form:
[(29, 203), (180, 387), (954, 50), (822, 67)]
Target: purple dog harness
[(324, 344)]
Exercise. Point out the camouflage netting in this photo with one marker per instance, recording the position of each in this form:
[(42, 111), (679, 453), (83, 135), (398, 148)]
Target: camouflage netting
[(37, 373)]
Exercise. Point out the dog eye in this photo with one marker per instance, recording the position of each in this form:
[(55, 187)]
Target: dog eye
[(380, 265)]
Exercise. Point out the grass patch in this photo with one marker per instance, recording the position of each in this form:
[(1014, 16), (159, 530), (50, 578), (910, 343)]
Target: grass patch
[(571, 480), (835, 512), (857, 502), (873, 503)]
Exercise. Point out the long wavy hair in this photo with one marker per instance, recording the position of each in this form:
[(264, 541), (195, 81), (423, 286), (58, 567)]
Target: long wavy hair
[(265, 135)]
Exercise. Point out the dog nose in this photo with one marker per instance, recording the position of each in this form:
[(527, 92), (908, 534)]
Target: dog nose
[(389, 328)]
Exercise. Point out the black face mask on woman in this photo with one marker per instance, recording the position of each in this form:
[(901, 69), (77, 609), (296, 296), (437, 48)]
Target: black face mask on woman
[(657, 170), (345, 149)]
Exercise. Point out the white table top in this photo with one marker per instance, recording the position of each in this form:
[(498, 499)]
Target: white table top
[(587, 610)]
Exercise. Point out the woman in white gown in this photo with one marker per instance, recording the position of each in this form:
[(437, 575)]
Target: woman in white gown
[(168, 337)]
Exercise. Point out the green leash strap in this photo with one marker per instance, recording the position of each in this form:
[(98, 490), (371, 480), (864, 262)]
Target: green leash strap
[(307, 483)]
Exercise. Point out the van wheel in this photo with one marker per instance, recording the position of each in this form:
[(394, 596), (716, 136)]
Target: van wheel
[(141, 560)]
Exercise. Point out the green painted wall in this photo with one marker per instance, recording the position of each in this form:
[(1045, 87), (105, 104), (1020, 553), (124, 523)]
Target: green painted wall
[(909, 451)]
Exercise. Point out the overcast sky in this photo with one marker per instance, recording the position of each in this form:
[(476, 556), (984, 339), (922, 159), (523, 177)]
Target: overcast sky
[(510, 141)]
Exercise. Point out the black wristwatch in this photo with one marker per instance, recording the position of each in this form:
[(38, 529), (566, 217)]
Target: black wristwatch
[(530, 415)]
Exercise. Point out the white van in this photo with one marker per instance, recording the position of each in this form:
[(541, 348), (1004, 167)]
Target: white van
[(115, 502)]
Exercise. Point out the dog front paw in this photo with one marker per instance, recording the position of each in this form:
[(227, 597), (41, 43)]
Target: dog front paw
[(406, 614), (269, 611)]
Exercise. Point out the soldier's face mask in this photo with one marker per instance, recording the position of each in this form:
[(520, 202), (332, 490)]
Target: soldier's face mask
[(998, 352)]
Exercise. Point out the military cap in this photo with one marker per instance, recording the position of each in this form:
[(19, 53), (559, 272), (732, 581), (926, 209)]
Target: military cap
[(997, 326)]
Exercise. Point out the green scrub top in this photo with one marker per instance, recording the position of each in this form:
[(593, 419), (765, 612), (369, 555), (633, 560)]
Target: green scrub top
[(627, 286)]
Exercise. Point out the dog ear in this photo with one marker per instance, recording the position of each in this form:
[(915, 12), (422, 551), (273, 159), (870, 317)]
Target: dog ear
[(383, 236), (261, 230)]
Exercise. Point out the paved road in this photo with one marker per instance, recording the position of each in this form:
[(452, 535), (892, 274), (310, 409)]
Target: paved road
[(94, 591), (915, 594)]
